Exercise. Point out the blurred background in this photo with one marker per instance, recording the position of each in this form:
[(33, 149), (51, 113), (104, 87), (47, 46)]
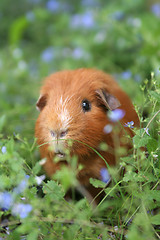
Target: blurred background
[(38, 37)]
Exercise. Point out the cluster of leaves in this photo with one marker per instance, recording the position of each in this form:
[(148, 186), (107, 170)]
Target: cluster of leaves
[(42, 36)]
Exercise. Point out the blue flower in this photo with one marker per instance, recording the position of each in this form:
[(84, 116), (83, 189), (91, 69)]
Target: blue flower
[(48, 54), (6, 200), (156, 9), (129, 124), (116, 115), (85, 20), (21, 187), (21, 209), (78, 53), (4, 149), (53, 5), (146, 130), (105, 177), (108, 128), (126, 75), (39, 179)]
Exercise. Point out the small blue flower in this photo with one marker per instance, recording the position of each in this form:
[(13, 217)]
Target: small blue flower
[(150, 212), (156, 9), (6, 200), (77, 53), (126, 75), (40, 179), (116, 115), (48, 54), (146, 130), (108, 128), (129, 124), (21, 209), (4, 149), (85, 20), (53, 5), (99, 237), (27, 176), (105, 177), (21, 187)]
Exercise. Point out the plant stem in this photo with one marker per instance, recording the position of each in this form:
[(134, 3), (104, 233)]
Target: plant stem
[(145, 131)]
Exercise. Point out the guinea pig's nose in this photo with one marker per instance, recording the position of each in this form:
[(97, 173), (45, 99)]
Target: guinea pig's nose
[(59, 133)]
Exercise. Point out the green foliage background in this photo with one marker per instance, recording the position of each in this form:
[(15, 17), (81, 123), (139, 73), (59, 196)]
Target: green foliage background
[(39, 37)]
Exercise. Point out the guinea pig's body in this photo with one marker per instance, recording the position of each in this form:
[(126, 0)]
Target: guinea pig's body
[(73, 105)]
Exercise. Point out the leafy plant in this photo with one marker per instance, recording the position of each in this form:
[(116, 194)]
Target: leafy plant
[(39, 37)]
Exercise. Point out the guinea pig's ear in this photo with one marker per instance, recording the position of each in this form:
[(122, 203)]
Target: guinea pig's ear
[(41, 103), (108, 100)]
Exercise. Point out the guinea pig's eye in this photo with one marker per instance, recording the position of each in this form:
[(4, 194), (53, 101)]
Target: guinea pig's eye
[(86, 105)]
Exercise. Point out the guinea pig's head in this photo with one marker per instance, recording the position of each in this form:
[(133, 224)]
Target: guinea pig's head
[(73, 106)]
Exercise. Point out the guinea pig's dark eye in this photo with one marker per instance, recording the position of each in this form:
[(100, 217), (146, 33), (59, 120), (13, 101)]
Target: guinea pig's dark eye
[(86, 105)]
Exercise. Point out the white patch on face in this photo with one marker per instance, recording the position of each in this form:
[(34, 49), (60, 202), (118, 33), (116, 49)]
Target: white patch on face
[(60, 130), (63, 113)]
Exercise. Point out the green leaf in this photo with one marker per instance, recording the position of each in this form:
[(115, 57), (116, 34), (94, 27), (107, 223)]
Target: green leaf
[(127, 159), (36, 169), (33, 235), (97, 183), (154, 194), (17, 29), (67, 177), (134, 177), (155, 95), (129, 176), (54, 189), (152, 145), (141, 142), (155, 219)]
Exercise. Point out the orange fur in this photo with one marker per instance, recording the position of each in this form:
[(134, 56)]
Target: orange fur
[(60, 110)]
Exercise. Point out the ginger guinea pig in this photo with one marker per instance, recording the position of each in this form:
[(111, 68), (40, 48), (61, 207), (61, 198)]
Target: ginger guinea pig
[(73, 105)]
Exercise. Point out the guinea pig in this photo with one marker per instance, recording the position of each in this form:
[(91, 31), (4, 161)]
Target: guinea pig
[(74, 104)]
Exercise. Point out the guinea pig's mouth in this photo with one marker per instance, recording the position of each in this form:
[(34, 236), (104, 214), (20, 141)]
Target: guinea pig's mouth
[(60, 154)]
